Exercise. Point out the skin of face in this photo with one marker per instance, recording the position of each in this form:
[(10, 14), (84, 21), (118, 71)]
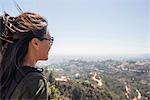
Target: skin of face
[(38, 49), (44, 47)]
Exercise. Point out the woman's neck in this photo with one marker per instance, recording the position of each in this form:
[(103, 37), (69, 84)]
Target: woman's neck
[(29, 61)]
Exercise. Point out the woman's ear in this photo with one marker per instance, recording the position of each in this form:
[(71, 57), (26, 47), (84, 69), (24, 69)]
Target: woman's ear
[(34, 43)]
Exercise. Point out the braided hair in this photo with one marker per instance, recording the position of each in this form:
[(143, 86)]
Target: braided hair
[(15, 35)]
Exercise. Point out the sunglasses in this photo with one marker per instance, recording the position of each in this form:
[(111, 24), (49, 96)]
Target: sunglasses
[(51, 39)]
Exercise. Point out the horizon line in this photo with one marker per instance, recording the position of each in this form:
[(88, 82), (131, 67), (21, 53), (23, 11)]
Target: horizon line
[(123, 54)]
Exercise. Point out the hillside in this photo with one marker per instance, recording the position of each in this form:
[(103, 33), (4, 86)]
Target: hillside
[(101, 80)]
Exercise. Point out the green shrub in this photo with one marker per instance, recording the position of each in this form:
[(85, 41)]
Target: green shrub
[(54, 92)]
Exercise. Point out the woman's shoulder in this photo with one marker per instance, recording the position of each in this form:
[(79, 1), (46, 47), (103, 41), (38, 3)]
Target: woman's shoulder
[(33, 81), (36, 84), (33, 74)]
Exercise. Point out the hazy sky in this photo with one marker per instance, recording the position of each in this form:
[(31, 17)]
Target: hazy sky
[(92, 26)]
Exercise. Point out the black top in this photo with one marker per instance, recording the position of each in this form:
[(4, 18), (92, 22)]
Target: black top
[(31, 84)]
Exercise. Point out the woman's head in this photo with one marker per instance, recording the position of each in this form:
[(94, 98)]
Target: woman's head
[(41, 41), (19, 36), (27, 32)]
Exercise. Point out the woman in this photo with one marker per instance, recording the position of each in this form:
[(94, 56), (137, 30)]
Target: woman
[(23, 41)]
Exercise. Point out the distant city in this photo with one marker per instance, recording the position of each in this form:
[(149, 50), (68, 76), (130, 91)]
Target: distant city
[(121, 77), (62, 58)]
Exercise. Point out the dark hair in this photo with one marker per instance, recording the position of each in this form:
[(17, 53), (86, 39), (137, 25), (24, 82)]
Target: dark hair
[(15, 35)]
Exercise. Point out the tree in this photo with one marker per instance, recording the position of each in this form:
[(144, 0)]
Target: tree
[(51, 77), (54, 92)]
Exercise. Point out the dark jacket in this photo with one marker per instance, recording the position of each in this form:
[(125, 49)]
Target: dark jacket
[(32, 87)]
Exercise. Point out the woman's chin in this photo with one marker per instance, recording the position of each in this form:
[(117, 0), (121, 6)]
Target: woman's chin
[(45, 58)]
